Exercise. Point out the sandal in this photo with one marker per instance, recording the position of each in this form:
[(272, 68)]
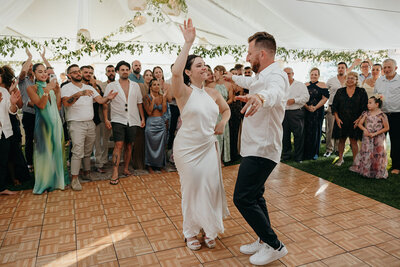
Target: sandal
[(210, 243), (114, 181), (193, 244)]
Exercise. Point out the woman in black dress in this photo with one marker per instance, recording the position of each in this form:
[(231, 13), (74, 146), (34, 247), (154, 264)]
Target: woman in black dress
[(347, 106), (314, 116)]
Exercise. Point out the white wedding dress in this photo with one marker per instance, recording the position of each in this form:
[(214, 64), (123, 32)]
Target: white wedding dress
[(198, 162)]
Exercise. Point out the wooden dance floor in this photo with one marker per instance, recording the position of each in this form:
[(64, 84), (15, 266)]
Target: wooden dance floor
[(139, 223)]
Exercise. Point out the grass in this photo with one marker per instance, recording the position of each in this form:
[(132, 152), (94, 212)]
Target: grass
[(383, 190)]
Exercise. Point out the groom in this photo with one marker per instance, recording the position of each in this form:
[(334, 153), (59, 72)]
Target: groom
[(261, 144)]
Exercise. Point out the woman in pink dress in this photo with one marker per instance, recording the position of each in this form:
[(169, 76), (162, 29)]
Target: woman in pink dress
[(371, 161)]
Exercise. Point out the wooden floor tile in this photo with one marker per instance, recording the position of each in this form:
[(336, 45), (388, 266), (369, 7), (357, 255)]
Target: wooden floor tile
[(61, 259), (140, 261), (25, 250), (219, 252), (344, 260), (231, 262), (139, 223), (375, 256), (127, 248), (22, 235), (94, 238), (92, 256), (57, 244), (359, 237), (177, 257)]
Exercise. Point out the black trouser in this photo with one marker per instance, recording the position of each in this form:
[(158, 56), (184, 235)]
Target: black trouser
[(394, 134), (248, 197), (293, 122), (172, 125), (28, 121), (4, 148)]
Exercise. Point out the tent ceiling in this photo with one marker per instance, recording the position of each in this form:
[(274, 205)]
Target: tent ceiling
[(323, 24)]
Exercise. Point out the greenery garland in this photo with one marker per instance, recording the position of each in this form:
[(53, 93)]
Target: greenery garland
[(107, 48)]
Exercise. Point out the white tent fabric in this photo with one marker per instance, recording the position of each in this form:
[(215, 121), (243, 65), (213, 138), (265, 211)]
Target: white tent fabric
[(324, 24), (303, 24)]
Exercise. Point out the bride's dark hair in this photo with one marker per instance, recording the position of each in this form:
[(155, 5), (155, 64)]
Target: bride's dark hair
[(188, 66)]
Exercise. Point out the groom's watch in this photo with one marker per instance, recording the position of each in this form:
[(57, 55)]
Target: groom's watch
[(261, 97)]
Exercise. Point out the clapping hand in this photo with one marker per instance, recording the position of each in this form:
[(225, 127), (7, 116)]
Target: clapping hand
[(15, 97), (28, 53), (188, 31), (43, 53)]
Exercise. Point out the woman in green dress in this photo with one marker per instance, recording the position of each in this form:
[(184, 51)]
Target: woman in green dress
[(48, 156), (226, 90)]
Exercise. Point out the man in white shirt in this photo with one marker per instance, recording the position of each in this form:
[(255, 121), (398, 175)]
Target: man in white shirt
[(261, 144), (8, 105), (77, 99), (389, 87), (333, 85), (126, 116), (294, 118)]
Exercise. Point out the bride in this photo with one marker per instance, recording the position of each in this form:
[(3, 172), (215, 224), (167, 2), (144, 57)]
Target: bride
[(196, 147)]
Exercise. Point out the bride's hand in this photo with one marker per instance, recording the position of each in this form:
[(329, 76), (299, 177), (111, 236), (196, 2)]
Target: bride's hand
[(188, 31)]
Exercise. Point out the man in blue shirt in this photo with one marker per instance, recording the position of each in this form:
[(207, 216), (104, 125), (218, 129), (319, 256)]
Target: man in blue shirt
[(135, 75)]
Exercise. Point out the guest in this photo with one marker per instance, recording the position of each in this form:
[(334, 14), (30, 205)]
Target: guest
[(78, 99), (174, 110), (49, 136), (371, 161), (26, 79), (210, 81), (147, 76), (136, 69), (139, 142), (293, 121), (239, 68), (155, 105), (365, 67), (369, 83), (126, 116), (388, 85), (158, 74), (333, 85), (319, 95), (248, 72), (235, 122), (8, 105), (348, 104), (102, 133), (17, 166), (226, 90), (233, 71)]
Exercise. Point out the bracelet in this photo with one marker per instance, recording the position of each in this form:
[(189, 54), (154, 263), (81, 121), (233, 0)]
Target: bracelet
[(45, 94)]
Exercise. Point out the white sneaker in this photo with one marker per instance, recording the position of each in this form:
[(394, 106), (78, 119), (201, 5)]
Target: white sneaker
[(76, 185), (252, 248), (266, 254)]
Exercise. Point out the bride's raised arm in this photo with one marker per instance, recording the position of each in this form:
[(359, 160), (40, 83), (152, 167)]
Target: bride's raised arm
[(179, 89)]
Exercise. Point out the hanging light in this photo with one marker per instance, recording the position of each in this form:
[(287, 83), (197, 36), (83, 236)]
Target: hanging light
[(137, 5), (83, 33), (171, 8), (139, 20)]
